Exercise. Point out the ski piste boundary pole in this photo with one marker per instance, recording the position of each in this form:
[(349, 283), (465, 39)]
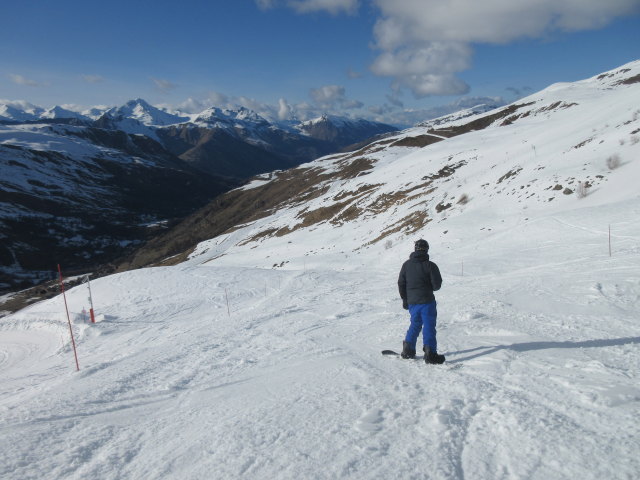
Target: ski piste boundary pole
[(91, 314), (64, 296)]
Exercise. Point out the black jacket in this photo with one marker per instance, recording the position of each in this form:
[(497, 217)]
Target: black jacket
[(418, 279)]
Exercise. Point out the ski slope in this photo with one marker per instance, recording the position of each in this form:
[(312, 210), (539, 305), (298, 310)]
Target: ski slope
[(225, 366), (541, 379)]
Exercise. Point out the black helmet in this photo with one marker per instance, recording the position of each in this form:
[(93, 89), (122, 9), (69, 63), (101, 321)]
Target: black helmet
[(421, 245)]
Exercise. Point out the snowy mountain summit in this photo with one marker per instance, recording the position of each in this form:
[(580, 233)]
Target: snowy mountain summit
[(144, 113), (252, 347)]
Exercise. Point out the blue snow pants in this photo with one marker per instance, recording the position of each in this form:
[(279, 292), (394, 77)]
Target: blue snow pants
[(423, 315)]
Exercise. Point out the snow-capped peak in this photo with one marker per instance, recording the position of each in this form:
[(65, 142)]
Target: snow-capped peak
[(60, 112), (19, 111), (143, 112)]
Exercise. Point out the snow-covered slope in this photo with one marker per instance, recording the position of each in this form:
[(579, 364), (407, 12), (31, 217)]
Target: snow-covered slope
[(260, 355), (80, 195), (144, 113), (19, 112), (341, 129), (138, 117), (60, 112)]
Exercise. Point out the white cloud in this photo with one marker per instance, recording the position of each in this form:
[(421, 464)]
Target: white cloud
[(327, 95), (284, 110), (93, 78), (394, 99), (351, 104), (351, 73), (265, 4), (424, 44), (331, 97), (490, 21), (21, 105), (410, 116), (334, 7), (190, 105), (165, 86), (20, 80)]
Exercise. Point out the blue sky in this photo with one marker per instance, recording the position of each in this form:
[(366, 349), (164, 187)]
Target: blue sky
[(398, 61)]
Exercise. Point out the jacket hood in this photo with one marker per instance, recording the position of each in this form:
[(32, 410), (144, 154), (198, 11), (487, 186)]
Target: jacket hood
[(419, 256)]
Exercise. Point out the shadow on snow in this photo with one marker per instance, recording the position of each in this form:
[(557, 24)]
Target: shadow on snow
[(528, 346)]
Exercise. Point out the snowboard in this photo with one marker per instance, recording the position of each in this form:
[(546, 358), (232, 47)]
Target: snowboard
[(392, 353)]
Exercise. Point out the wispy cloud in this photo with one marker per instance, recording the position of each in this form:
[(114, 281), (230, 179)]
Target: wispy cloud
[(266, 4), (165, 86), (332, 99), (333, 96), (284, 109), (334, 7), (351, 73), (21, 80), (93, 78), (410, 116)]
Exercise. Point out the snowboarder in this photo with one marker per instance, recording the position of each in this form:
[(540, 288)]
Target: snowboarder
[(418, 279)]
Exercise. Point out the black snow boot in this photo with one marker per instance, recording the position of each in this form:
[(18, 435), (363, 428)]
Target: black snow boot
[(432, 357), (408, 351)]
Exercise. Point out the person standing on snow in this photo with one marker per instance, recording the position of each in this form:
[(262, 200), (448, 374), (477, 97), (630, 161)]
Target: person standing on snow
[(418, 279)]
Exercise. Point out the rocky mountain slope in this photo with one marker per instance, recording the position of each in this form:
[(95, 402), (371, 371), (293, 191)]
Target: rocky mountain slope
[(562, 148), (81, 196), (81, 188)]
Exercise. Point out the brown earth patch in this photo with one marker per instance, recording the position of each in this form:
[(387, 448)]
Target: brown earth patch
[(352, 212), (481, 123), (409, 224), (445, 171), (582, 144), (442, 206), (364, 189), (630, 80), (509, 174), (388, 200), (358, 167), (417, 141)]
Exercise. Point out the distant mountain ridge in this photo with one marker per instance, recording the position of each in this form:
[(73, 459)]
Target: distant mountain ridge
[(237, 143), (99, 177)]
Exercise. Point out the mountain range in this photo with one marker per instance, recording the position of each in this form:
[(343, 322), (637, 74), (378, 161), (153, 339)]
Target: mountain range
[(82, 188)]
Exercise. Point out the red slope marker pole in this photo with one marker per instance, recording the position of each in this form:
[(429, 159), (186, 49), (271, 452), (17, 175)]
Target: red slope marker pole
[(91, 314), (73, 342)]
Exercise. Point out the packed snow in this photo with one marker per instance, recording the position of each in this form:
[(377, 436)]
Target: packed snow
[(262, 358)]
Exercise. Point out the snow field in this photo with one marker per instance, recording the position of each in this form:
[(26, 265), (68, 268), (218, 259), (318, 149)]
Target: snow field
[(540, 379)]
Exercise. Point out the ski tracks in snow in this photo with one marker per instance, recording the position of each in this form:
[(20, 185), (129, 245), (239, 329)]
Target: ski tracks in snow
[(289, 382)]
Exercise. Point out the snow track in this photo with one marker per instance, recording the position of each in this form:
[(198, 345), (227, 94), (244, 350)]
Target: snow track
[(292, 383)]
